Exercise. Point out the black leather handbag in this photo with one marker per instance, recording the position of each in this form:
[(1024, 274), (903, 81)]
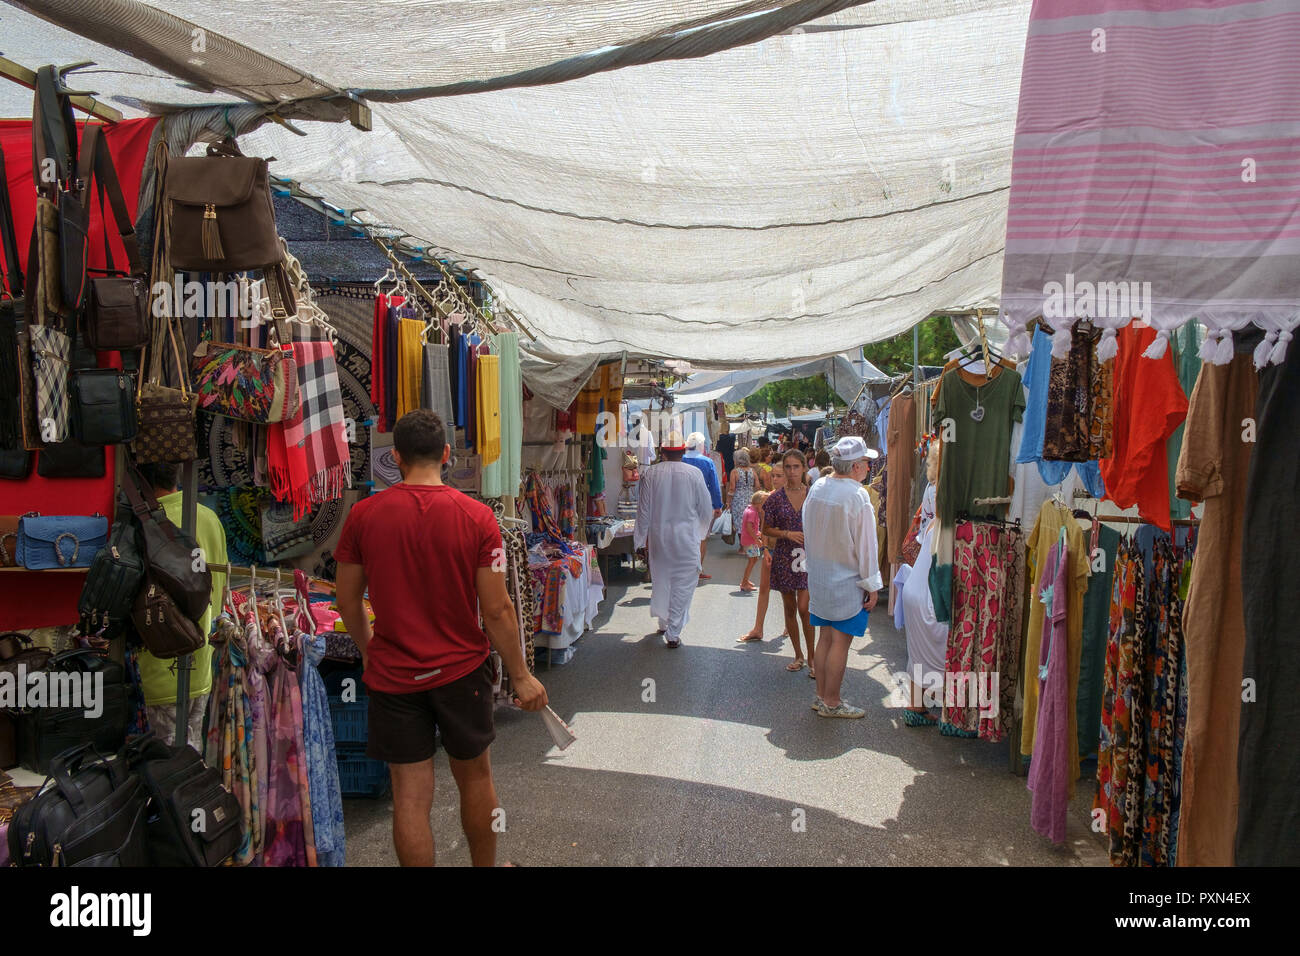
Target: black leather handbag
[(54, 135), (15, 463), (193, 820), (18, 649), (94, 815), (102, 406), (11, 309), (169, 552), (117, 304), (71, 459), (114, 579), (45, 732)]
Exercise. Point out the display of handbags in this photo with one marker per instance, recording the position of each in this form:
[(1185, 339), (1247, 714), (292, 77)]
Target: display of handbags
[(219, 212), (59, 541), (93, 814)]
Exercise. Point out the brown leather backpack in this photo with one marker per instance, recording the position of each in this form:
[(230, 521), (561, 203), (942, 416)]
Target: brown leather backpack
[(219, 212)]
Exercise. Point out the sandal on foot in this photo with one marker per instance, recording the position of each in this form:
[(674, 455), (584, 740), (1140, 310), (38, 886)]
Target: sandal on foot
[(811, 674), (796, 665), (818, 703), (919, 718), (749, 638), (952, 730)]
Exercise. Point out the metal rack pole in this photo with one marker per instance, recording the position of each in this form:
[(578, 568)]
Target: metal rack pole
[(189, 519)]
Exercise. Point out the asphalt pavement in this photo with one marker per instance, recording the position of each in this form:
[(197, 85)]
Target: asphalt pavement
[(709, 754)]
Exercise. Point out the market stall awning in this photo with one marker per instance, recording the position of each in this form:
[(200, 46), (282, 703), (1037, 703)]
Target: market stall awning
[(777, 201), (846, 376)]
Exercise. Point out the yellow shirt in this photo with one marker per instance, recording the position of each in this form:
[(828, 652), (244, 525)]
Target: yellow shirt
[(156, 676), (1047, 531)]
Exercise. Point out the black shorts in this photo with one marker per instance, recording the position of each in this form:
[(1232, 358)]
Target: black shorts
[(402, 726)]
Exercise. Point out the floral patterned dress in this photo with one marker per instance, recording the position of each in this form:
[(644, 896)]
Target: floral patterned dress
[(779, 513), (745, 481)]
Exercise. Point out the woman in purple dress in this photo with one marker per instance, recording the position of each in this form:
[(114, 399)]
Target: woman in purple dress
[(783, 520)]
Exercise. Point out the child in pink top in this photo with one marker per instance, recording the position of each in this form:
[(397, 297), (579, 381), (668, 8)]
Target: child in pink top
[(750, 526)]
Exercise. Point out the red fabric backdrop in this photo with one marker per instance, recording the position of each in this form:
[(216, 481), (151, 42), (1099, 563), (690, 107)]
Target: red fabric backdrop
[(41, 598)]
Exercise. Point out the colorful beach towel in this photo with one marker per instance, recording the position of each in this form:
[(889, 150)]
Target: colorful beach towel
[(1153, 173)]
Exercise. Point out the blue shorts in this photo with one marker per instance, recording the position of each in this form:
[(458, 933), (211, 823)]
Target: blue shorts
[(855, 626)]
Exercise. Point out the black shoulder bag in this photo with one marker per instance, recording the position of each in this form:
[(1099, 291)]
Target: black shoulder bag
[(93, 815), (170, 554), (114, 579)]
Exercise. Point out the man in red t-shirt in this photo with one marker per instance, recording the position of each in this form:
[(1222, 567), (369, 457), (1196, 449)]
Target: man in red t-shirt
[(433, 559)]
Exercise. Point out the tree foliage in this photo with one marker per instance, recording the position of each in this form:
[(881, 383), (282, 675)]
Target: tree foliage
[(801, 392), (894, 356)]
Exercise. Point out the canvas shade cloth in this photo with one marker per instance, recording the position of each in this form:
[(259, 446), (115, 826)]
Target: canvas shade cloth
[(776, 202)]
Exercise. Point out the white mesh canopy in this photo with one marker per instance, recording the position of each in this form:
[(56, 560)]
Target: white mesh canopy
[(778, 201)]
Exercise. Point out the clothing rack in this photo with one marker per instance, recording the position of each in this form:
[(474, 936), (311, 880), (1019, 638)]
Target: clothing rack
[(1131, 519)]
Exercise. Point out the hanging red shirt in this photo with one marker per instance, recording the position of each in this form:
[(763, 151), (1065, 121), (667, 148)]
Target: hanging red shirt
[(1149, 407)]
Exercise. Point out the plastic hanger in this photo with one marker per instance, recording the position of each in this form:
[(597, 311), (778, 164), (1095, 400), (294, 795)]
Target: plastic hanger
[(389, 276)]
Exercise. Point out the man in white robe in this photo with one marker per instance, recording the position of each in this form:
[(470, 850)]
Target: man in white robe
[(673, 515)]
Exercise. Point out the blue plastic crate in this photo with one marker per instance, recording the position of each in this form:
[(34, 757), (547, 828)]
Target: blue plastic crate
[(334, 681), (359, 776), (350, 720)]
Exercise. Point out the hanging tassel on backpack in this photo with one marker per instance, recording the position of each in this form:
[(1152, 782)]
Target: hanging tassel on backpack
[(211, 234)]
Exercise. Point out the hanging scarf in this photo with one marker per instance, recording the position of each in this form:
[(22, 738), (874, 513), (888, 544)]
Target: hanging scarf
[(488, 384), (540, 506), (410, 361), (307, 456), (329, 461)]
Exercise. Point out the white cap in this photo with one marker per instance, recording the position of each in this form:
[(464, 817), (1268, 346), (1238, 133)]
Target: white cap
[(696, 440), (851, 448)]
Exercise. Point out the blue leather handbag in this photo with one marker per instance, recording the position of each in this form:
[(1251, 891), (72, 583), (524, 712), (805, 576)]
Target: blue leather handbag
[(60, 541)]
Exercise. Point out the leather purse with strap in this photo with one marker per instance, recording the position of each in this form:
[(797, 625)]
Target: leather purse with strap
[(93, 814), (54, 141), (117, 305), (8, 542), (16, 649), (47, 542), (219, 212), (12, 308), (165, 412), (114, 580), (171, 556), (253, 384), (46, 731)]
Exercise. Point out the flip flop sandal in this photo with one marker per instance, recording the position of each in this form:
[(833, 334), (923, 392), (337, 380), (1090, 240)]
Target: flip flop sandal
[(796, 666), (749, 639), (952, 730), (811, 674), (913, 718)]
